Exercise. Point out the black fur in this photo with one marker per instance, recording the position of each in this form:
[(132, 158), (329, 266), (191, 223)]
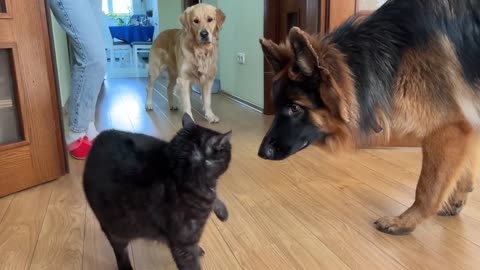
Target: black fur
[(142, 187), (375, 47)]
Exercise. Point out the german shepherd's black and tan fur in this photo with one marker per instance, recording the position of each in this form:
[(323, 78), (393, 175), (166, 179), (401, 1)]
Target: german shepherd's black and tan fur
[(410, 68)]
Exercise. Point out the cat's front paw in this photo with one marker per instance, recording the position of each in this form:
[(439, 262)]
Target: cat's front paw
[(220, 210)]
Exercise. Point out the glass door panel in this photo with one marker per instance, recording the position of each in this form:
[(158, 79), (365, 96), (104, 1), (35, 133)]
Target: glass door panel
[(3, 6), (10, 131)]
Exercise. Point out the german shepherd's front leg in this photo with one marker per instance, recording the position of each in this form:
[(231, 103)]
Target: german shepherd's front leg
[(445, 154)]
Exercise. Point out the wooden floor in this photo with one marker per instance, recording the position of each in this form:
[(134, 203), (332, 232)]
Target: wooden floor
[(312, 211)]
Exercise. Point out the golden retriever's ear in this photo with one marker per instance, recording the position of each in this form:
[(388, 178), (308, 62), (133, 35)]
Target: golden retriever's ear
[(184, 19), (220, 18)]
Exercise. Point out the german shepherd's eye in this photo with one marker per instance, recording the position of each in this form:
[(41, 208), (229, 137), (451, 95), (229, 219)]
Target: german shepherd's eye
[(210, 19), (196, 21), (294, 109), (295, 69)]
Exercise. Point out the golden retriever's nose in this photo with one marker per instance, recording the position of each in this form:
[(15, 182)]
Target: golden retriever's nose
[(204, 34)]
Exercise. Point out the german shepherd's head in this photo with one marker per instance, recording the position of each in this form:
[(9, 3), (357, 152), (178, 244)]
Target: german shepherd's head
[(313, 93)]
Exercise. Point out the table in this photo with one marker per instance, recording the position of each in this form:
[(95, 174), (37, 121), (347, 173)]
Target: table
[(132, 33)]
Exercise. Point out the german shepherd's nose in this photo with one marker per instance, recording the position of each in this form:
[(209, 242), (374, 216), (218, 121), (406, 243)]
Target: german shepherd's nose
[(266, 150)]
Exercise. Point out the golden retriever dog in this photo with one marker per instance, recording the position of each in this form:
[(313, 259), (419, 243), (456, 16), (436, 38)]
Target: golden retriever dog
[(190, 56)]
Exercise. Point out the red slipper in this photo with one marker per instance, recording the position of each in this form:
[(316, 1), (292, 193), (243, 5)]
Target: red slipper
[(80, 148)]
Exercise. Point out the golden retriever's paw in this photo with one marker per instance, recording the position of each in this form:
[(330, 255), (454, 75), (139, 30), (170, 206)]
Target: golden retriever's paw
[(173, 104), (393, 225), (149, 106), (212, 118)]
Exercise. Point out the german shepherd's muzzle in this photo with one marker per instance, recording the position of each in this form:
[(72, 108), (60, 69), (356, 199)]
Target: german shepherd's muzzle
[(292, 129)]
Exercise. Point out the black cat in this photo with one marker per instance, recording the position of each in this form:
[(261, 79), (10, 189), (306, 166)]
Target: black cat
[(142, 187)]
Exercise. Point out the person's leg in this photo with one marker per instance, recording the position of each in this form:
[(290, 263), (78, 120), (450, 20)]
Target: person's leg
[(80, 21)]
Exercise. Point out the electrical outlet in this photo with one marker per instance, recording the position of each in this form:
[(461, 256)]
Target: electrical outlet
[(241, 58)]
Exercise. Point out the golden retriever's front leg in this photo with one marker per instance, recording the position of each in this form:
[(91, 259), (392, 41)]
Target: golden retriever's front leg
[(183, 85), (207, 102), (445, 154)]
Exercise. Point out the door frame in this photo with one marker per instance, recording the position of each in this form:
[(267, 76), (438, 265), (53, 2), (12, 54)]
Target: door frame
[(55, 83)]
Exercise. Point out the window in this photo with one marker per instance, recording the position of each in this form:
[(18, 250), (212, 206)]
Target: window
[(117, 6)]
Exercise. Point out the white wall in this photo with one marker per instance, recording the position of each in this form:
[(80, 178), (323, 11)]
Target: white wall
[(370, 4), (241, 32), (168, 13)]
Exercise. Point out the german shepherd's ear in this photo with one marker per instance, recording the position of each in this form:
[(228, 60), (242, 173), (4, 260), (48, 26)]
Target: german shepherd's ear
[(305, 56), (328, 63), (278, 56)]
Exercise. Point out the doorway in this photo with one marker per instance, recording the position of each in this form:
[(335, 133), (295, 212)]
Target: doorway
[(129, 28)]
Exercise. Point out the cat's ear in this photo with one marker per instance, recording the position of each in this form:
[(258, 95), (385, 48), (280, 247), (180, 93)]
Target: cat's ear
[(218, 141), (225, 138), (187, 120)]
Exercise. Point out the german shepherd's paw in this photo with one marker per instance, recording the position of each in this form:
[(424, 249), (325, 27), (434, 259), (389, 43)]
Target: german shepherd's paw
[(452, 208), (393, 225), (212, 118)]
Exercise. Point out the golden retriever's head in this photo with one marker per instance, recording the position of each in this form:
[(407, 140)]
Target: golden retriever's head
[(203, 22)]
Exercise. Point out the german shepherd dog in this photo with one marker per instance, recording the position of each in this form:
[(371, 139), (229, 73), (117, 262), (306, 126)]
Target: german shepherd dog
[(412, 67)]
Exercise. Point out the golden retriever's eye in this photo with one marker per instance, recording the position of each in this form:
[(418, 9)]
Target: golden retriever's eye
[(196, 21), (210, 19)]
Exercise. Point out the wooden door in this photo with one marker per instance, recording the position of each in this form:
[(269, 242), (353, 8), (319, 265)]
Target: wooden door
[(31, 143)]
